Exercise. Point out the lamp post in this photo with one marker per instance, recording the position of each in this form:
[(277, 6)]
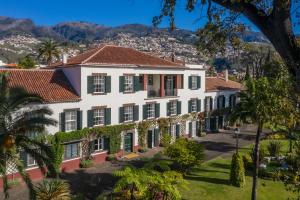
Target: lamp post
[(236, 132)]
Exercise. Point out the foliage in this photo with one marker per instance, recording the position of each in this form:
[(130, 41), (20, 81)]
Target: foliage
[(13, 182), (86, 163), (111, 157), (274, 147), (262, 152), (186, 153), (165, 140), (143, 130), (14, 129), (237, 172), (48, 51), (58, 152), (158, 163), (53, 190), (163, 124), (148, 184), (27, 62), (248, 163)]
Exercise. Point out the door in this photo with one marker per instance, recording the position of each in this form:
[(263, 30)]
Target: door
[(156, 137), (169, 86), (128, 142), (221, 122), (150, 139), (213, 124)]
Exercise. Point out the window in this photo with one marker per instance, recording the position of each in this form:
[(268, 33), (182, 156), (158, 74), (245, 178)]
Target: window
[(98, 118), (71, 151), (30, 160), (128, 85), (150, 79), (99, 144), (99, 84), (194, 82), (173, 107), (128, 113), (151, 110), (71, 120), (194, 105), (173, 130)]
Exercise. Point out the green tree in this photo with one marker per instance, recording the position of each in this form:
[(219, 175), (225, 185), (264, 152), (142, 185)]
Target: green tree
[(48, 51), (186, 153), (53, 190), (259, 104), (274, 18), (58, 151), (27, 62), (237, 172), (15, 124)]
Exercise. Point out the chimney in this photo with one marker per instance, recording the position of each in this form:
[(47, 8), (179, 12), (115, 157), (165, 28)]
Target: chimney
[(173, 57), (64, 58), (226, 75)]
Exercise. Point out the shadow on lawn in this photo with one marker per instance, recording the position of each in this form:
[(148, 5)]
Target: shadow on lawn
[(91, 185), (220, 165), (208, 179), (218, 146)]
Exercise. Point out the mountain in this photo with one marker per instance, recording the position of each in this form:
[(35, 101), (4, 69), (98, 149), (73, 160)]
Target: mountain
[(20, 36)]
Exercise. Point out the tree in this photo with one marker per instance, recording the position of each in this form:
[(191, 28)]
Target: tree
[(259, 103), (48, 51), (17, 120), (58, 151), (186, 153), (27, 62), (237, 172), (53, 190), (274, 18)]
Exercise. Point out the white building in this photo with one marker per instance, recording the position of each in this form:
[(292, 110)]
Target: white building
[(113, 85)]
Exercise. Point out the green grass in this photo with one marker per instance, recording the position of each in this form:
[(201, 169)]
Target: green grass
[(210, 182)]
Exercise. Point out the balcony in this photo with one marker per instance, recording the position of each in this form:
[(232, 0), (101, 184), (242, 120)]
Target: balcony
[(165, 93)]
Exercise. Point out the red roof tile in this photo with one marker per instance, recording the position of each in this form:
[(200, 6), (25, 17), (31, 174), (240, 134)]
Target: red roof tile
[(116, 55), (219, 84), (51, 85)]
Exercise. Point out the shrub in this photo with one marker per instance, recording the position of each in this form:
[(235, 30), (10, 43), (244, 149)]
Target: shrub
[(13, 182), (165, 140), (237, 172), (185, 153), (248, 164), (143, 150), (58, 151), (53, 189), (111, 157), (86, 163), (274, 147), (262, 152)]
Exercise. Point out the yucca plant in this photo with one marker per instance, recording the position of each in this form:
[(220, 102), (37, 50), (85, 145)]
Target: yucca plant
[(53, 190), (18, 118)]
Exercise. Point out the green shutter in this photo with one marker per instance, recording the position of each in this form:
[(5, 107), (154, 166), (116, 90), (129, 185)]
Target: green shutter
[(190, 129), (91, 146), (178, 107), (121, 83), (190, 82), (136, 113), (177, 130), (157, 110), (168, 109), (156, 137), (107, 84), (211, 103), (90, 118), (79, 120), (189, 106), (121, 114), (107, 117), (218, 103), (62, 121), (137, 85), (23, 157), (223, 103), (197, 128), (106, 143), (198, 82), (145, 111), (199, 105), (90, 84)]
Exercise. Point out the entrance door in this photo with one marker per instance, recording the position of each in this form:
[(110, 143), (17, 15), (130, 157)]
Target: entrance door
[(150, 139), (169, 86), (156, 137), (213, 124), (128, 142), (221, 122)]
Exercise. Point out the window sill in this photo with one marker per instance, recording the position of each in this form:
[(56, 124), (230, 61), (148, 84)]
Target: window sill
[(100, 125), (99, 93), (71, 159), (165, 97), (99, 152), (128, 92)]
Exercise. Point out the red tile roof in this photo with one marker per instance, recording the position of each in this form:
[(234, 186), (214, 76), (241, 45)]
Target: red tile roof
[(219, 84), (115, 55), (51, 85)]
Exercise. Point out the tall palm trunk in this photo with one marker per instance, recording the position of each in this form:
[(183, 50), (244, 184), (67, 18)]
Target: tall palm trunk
[(256, 161)]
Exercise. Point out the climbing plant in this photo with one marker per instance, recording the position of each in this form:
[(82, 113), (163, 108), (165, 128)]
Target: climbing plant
[(142, 130), (163, 124)]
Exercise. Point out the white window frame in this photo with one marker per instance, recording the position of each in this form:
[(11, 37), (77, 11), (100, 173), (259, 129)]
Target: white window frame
[(29, 157), (71, 120), (128, 113), (99, 142), (173, 108), (194, 82), (128, 83), (194, 105), (98, 117), (99, 84), (150, 110), (78, 151)]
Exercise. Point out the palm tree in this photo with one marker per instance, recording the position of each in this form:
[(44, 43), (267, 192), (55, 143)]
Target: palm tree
[(18, 118), (48, 51), (259, 104), (53, 190)]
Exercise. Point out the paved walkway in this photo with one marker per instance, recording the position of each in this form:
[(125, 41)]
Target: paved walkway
[(98, 179)]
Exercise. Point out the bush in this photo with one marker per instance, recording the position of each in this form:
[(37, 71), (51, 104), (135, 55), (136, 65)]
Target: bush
[(262, 153), (111, 157), (165, 140), (86, 163), (248, 164), (185, 153), (143, 150), (276, 136), (58, 151), (274, 147), (237, 172), (53, 189)]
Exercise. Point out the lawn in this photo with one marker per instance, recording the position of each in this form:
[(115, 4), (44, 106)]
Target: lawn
[(210, 182)]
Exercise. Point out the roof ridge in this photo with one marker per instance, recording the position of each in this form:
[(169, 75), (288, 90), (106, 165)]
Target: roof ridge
[(100, 49)]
